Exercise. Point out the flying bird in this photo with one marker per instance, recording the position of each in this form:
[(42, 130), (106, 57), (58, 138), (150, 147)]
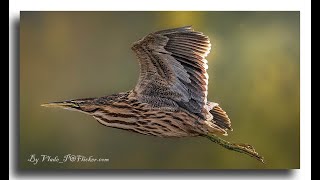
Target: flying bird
[(170, 97)]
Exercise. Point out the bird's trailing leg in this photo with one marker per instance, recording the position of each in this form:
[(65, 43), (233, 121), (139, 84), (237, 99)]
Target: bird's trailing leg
[(242, 148)]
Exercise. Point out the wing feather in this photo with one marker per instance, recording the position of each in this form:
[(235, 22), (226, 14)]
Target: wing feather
[(173, 69)]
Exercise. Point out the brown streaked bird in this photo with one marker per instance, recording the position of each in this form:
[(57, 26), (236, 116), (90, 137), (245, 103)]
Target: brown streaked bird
[(170, 98)]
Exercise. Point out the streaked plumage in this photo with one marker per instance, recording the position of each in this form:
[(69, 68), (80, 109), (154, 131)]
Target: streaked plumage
[(170, 98)]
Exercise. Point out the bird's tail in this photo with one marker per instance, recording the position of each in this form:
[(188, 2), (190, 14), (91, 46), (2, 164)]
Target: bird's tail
[(220, 117)]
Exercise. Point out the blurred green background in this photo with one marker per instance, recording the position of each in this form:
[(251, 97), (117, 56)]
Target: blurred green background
[(254, 75)]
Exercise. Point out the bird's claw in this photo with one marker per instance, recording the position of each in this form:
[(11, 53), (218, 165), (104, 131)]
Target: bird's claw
[(248, 149)]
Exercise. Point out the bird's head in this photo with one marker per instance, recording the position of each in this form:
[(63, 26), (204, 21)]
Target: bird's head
[(90, 105), (82, 105)]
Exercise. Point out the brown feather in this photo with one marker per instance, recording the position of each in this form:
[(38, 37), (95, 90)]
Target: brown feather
[(173, 69)]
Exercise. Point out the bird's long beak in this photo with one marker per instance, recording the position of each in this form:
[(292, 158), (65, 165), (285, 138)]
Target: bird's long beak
[(64, 105)]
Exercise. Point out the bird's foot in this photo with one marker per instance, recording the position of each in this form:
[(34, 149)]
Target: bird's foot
[(246, 149), (242, 148)]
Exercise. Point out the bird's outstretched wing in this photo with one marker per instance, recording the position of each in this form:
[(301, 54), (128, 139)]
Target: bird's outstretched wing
[(173, 70)]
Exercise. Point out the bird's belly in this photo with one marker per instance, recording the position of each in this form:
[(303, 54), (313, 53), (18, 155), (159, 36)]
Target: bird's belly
[(155, 123), (161, 129), (167, 124)]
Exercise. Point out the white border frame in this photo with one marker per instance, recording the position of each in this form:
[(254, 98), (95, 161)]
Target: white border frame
[(304, 6)]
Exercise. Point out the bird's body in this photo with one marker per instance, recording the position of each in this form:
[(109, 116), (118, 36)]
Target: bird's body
[(170, 98), (123, 111)]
